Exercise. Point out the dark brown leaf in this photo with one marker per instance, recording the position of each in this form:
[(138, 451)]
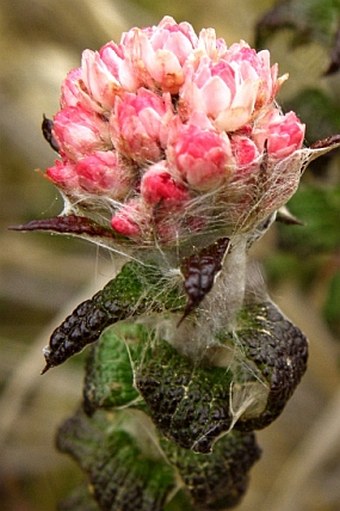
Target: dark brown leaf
[(199, 272), (46, 127)]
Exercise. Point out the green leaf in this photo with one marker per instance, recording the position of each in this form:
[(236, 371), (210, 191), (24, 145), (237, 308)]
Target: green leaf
[(109, 380), (195, 402), (217, 480), (138, 289), (188, 403), (278, 350), (122, 474)]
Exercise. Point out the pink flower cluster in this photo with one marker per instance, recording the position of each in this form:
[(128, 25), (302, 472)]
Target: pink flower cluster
[(166, 120)]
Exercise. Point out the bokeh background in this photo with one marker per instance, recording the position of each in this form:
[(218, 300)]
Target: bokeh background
[(43, 277)]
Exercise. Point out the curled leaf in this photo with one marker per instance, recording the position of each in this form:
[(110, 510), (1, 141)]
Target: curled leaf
[(122, 475), (137, 289), (217, 480), (188, 403), (109, 370), (279, 351), (194, 402)]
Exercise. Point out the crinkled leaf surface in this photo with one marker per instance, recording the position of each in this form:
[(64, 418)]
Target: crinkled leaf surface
[(194, 403), (217, 480), (138, 289), (123, 477), (109, 380)]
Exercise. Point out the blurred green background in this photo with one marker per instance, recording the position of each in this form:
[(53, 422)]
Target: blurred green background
[(43, 277)]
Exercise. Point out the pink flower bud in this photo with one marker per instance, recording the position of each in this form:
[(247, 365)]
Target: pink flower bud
[(120, 66), (201, 156), (74, 92), (283, 134), (70, 89), (158, 53), (132, 219), (138, 123), (79, 132), (256, 66), (207, 42), (159, 185), (178, 38), (63, 175), (245, 151), (102, 172), (219, 91), (231, 89), (99, 81), (106, 73)]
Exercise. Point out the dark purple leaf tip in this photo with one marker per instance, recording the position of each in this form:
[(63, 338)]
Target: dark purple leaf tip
[(70, 224), (199, 272)]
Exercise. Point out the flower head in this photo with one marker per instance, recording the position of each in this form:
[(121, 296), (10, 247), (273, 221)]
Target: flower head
[(176, 134)]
